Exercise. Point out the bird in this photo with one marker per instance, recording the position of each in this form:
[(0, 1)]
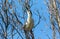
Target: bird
[(29, 23)]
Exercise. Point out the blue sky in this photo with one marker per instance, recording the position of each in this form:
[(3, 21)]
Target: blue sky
[(42, 30)]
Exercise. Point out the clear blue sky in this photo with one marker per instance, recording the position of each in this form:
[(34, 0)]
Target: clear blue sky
[(43, 29)]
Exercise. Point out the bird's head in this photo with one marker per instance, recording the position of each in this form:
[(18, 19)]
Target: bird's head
[(29, 12)]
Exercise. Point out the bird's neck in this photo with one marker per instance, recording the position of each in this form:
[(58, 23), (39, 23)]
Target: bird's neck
[(29, 16)]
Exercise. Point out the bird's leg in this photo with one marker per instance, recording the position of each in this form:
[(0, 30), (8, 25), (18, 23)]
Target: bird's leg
[(26, 34), (32, 35)]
